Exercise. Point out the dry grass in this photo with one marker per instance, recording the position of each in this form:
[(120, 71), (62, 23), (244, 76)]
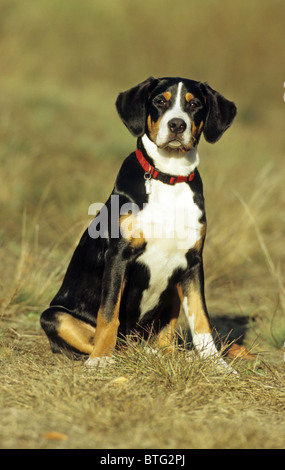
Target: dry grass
[(61, 145), (143, 401)]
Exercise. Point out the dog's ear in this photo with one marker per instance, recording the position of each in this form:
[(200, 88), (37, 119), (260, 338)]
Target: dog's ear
[(221, 113), (132, 104)]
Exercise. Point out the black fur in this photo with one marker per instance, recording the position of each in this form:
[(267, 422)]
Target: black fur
[(132, 106), (220, 115)]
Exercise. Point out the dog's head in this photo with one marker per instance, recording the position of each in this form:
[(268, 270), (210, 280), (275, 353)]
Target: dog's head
[(173, 112)]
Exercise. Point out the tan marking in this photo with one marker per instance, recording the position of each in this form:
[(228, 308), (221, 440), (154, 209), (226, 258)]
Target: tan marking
[(198, 245), (196, 130), (165, 336), (130, 232), (76, 333), (105, 336), (203, 229), (195, 307), (189, 97), (106, 332), (180, 292), (153, 128), (237, 350), (167, 95)]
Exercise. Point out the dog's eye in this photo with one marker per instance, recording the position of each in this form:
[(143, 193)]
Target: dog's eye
[(193, 105), (161, 102)]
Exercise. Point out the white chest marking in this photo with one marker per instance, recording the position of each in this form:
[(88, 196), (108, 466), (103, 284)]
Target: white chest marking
[(170, 225)]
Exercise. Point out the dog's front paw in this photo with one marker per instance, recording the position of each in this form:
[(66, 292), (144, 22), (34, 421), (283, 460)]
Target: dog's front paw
[(98, 362), (225, 368)]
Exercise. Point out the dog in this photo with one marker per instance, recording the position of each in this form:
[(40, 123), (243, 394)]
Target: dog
[(140, 260)]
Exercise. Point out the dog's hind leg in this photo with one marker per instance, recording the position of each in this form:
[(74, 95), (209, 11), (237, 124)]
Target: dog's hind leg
[(68, 334)]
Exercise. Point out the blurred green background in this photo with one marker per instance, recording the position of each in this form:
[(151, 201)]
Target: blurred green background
[(63, 62)]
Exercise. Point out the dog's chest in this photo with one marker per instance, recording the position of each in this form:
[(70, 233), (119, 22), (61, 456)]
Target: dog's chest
[(170, 225)]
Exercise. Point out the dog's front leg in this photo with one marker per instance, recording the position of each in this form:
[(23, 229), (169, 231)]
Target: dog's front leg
[(108, 315), (191, 293)]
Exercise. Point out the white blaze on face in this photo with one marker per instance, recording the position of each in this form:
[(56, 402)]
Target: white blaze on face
[(174, 112)]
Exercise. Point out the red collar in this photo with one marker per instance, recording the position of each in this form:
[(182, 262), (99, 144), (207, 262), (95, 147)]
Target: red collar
[(158, 175)]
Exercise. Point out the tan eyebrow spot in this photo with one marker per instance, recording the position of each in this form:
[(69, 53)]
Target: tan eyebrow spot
[(167, 95), (189, 97)]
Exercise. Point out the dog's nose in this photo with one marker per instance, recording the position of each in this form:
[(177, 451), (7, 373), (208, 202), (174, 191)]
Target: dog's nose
[(177, 125)]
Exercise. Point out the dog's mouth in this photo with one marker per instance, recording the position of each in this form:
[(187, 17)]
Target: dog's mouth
[(175, 145)]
